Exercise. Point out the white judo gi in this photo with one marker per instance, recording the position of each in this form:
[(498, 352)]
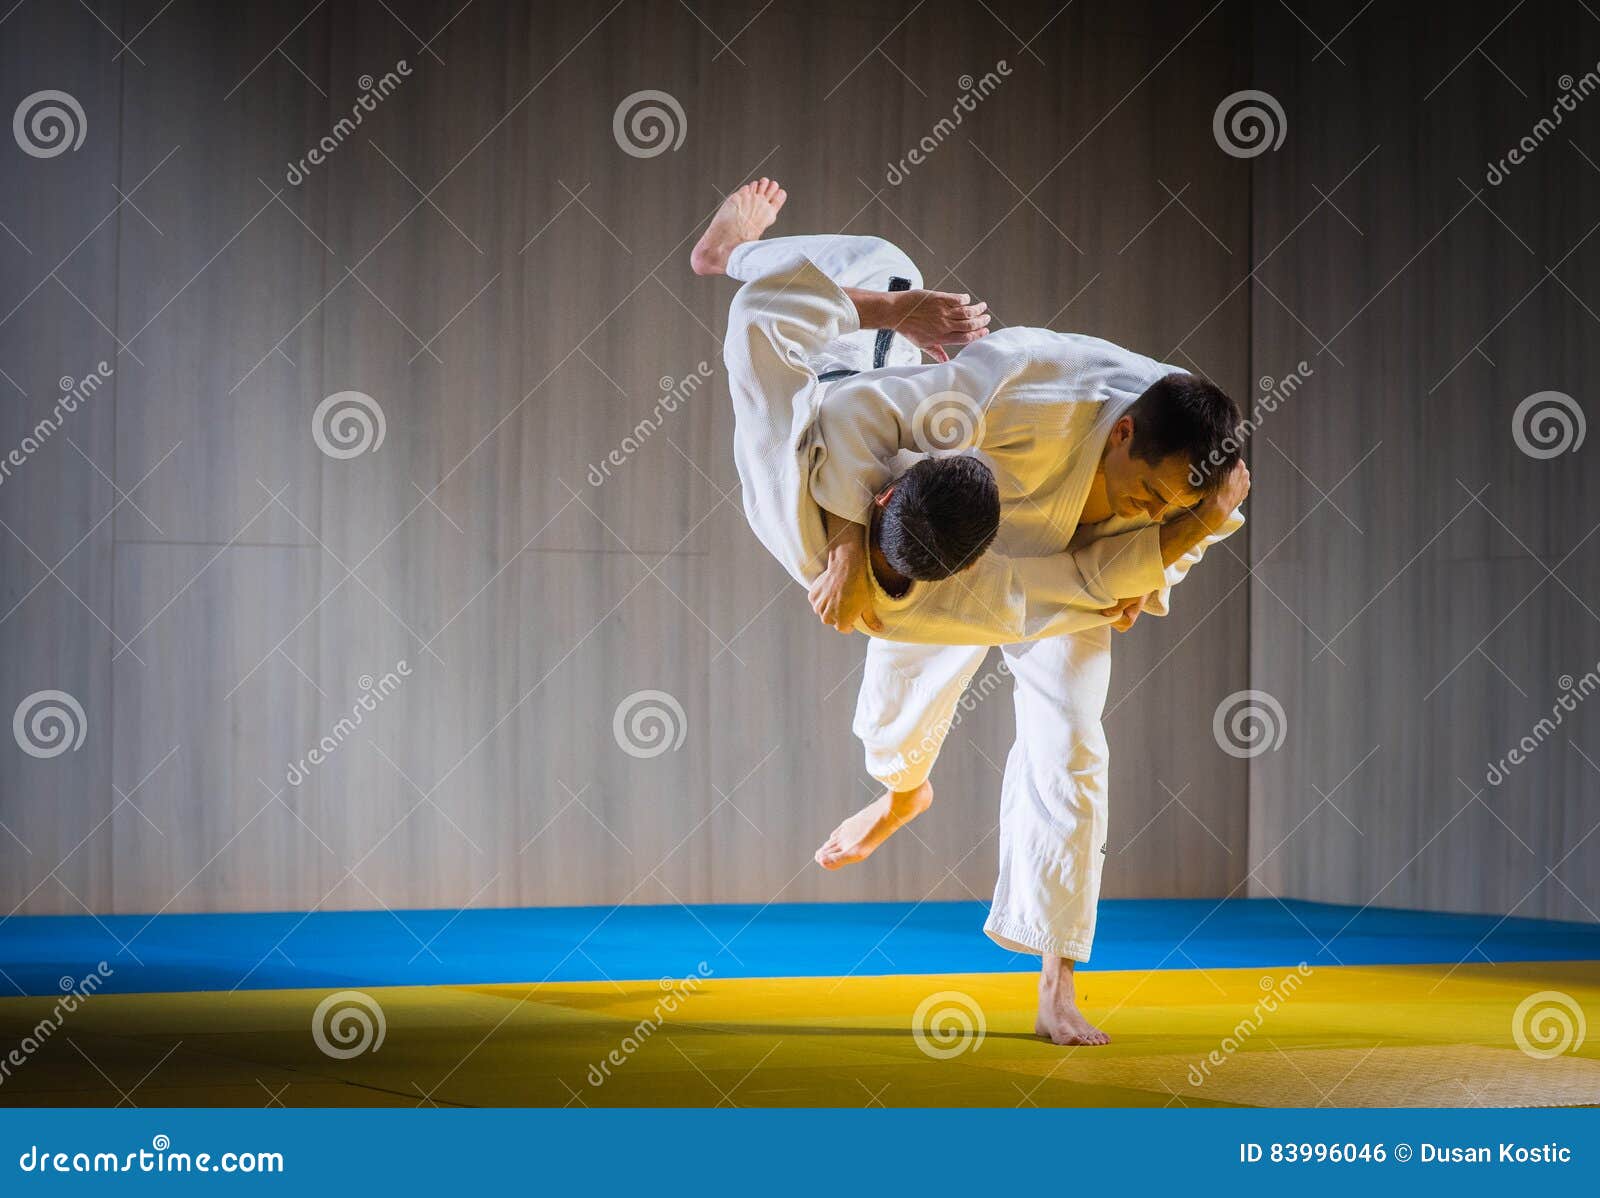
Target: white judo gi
[(1047, 402)]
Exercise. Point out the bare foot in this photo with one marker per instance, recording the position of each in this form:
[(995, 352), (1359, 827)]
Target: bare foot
[(1059, 1020), (856, 838), (744, 216)]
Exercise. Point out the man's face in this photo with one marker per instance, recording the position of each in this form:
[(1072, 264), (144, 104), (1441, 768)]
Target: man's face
[(1135, 487)]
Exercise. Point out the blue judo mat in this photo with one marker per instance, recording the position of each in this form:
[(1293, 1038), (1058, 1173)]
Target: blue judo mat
[(40, 954)]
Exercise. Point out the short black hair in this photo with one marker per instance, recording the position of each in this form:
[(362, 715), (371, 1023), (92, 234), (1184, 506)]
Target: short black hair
[(944, 512), (1182, 414)]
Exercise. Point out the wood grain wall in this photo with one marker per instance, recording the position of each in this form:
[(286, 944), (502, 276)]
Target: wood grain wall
[(1425, 590), (482, 259)]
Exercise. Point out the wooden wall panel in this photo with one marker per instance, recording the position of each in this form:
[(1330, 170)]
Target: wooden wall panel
[(519, 293), (1424, 589), (58, 305)]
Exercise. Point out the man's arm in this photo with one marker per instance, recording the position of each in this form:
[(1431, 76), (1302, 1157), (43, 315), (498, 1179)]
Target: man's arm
[(1183, 541), (842, 593), (930, 320)]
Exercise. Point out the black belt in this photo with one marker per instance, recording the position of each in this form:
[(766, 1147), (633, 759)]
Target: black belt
[(880, 348)]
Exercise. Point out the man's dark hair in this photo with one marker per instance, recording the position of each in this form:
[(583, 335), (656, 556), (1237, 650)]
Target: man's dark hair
[(943, 514), (1182, 414)]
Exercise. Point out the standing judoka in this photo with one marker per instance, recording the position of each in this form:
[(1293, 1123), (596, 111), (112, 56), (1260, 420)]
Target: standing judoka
[(1094, 450)]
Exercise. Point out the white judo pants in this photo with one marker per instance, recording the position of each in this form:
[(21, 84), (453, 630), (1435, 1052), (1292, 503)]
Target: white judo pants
[(1053, 798), (870, 263)]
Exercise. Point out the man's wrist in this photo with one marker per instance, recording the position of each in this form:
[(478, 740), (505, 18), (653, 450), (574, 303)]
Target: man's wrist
[(1180, 535), (1211, 515), (874, 309), (848, 542)]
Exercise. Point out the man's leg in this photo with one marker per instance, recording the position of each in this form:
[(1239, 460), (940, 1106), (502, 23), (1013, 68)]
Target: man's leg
[(1053, 820), (732, 245), (908, 697)]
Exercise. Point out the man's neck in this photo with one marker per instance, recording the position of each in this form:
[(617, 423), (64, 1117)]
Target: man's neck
[(1097, 506), (894, 583)]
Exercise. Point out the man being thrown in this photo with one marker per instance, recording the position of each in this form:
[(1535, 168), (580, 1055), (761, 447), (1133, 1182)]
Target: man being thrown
[(1110, 474)]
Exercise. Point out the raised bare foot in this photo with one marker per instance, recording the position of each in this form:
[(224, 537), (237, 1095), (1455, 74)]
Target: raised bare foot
[(856, 838), (744, 216), (1059, 1019)]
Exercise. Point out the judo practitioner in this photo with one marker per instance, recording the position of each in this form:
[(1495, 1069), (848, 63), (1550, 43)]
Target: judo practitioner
[(1113, 472)]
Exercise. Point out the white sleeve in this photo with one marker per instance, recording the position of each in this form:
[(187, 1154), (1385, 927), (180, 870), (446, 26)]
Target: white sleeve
[(1158, 603), (1002, 600), (863, 427)]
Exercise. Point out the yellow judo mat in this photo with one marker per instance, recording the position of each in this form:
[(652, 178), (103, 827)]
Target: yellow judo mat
[(1468, 1035)]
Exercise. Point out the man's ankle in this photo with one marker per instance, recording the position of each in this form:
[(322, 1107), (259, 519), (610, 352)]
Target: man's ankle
[(1056, 973), (914, 801)]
